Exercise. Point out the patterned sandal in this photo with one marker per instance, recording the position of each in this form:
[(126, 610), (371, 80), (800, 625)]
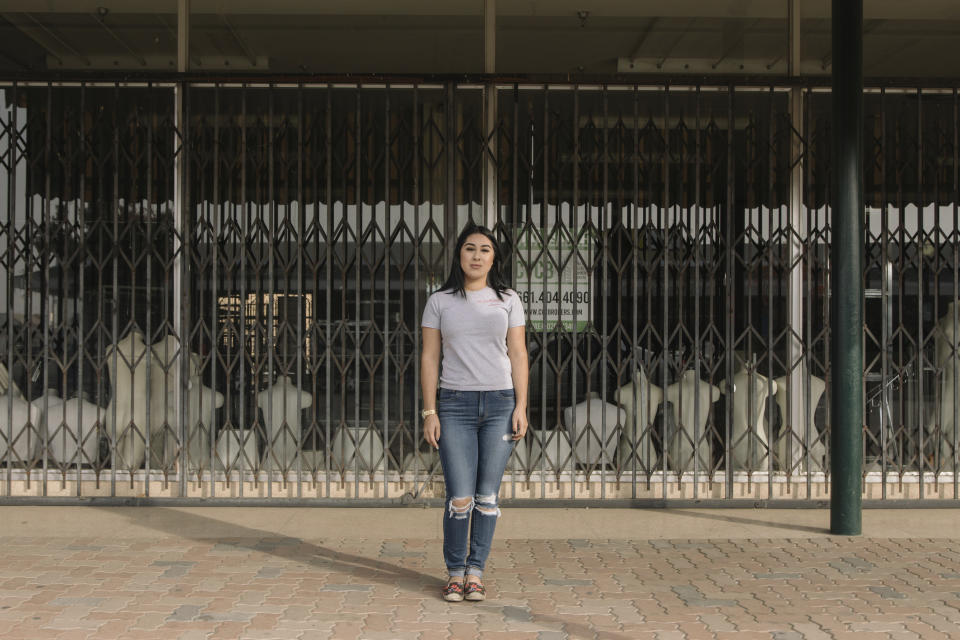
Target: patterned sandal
[(474, 591), (453, 592)]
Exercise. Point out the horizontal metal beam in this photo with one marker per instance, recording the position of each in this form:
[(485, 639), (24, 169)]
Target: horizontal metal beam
[(160, 63), (755, 66)]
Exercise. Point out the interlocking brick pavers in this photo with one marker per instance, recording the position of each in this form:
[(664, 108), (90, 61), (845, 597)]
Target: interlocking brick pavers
[(670, 635), (260, 585)]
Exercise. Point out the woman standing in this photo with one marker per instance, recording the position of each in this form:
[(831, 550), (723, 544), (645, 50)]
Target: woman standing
[(479, 409)]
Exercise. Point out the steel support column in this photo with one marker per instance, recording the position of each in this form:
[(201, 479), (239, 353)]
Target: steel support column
[(797, 418), (846, 260), (179, 211)]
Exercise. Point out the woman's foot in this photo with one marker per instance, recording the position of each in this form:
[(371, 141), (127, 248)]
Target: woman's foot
[(453, 592), (474, 590)]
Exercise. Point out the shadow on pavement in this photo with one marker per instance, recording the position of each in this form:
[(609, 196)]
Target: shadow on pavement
[(718, 515), (180, 524)]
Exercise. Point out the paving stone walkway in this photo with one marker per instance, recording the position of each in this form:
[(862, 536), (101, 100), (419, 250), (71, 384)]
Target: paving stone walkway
[(361, 586)]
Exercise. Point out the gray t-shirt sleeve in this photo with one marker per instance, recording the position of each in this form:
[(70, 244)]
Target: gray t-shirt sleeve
[(515, 313), (431, 313)]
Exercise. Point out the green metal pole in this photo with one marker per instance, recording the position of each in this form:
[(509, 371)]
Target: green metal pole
[(846, 259)]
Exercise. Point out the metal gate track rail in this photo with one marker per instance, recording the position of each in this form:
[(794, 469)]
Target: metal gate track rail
[(375, 503)]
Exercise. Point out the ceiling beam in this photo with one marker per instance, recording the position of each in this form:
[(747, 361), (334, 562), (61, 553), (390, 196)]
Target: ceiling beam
[(891, 53), (6, 56), (868, 26), (172, 32), (676, 41), (34, 29), (247, 51), (736, 43), (99, 17), (643, 37)]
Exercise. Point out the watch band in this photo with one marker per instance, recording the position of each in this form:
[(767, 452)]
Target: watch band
[(428, 412)]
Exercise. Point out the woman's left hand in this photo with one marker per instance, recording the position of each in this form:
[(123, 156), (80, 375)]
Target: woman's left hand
[(519, 423)]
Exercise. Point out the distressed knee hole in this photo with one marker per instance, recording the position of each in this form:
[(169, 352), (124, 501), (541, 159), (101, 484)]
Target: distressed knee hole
[(487, 505), (460, 508)]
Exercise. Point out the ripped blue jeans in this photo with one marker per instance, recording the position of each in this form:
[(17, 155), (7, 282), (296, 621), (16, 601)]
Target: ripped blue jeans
[(475, 444)]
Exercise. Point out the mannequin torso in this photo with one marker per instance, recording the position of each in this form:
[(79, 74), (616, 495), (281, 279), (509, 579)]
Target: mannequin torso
[(281, 414), (72, 429), (640, 400), (689, 421), (947, 346), (592, 426), (201, 402), (126, 415), (748, 432), (24, 428), (816, 447)]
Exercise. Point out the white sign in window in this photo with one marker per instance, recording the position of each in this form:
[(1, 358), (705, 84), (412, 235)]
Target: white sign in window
[(553, 279)]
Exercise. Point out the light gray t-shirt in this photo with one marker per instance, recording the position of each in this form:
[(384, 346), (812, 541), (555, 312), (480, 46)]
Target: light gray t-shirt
[(474, 336)]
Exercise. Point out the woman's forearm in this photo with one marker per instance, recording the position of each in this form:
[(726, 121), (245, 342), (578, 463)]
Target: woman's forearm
[(430, 367), (429, 373), (519, 367), (520, 373)]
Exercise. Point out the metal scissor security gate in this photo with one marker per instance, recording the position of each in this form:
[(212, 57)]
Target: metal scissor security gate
[(214, 290)]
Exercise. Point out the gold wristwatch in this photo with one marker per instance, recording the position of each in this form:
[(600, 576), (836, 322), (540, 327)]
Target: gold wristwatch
[(428, 412)]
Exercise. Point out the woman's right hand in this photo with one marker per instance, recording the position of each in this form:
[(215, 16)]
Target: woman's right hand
[(431, 431)]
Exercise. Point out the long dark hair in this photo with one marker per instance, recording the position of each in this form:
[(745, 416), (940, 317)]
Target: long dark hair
[(456, 279)]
